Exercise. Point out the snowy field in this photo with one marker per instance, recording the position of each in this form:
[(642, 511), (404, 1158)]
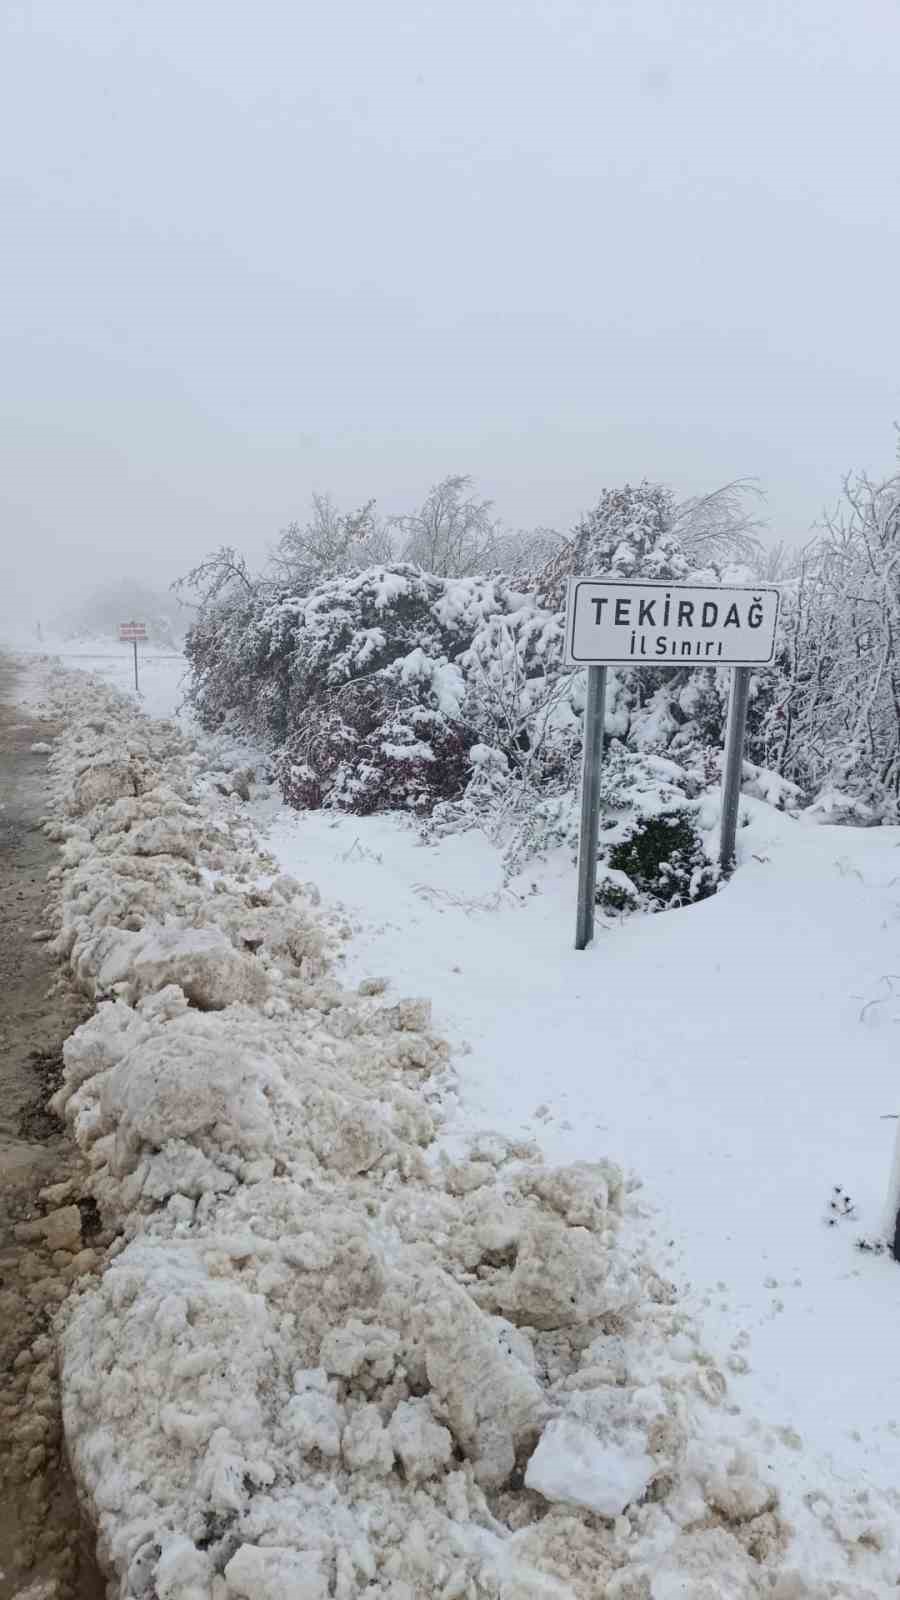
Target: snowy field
[(739, 1059), (739, 1055), (160, 672)]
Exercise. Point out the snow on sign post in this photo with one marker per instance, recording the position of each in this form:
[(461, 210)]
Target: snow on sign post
[(620, 622), (135, 633)]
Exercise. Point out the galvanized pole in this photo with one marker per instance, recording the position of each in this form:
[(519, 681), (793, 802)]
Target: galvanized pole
[(734, 764), (590, 805), (135, 668)]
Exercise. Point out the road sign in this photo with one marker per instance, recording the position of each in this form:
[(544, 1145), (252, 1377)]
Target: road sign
[(134, 633), (617, 622), (612, 622)]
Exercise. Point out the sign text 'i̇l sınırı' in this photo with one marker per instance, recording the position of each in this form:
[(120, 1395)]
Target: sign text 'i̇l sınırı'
[(612, 621)]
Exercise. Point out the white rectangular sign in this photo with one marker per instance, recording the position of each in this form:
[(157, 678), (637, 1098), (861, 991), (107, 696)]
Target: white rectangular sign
[(132, 630), (613, 621)]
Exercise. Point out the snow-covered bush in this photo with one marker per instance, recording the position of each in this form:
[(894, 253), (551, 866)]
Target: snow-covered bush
[(448, 696), (374, 687), (835, 724), (629, 534), (650, 853), (650, 843), (374, 746), (360, 690)]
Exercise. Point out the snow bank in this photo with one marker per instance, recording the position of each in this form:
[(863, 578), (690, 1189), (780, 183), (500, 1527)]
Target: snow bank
[(321, 1358)]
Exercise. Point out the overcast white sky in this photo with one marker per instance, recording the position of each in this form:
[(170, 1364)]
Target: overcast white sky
[(252, 250)]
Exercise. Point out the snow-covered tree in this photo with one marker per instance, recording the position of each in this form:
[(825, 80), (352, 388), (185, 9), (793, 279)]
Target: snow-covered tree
[(445, 693), (722, 529), (630, 533), (453, 533), (836, 723), (524, 552), (329, 542)]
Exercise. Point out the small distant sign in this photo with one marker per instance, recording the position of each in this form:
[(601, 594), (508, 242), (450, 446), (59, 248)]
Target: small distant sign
[(614, 622), (132, 632)]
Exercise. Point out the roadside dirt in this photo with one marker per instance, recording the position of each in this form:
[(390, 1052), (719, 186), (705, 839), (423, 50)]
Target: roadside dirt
[(43, 1547)]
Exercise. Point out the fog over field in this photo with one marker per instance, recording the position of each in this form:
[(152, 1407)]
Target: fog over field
[(253, 254)]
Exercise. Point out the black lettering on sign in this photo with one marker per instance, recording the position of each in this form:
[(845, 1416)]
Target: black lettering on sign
[(732, 617), (622, 617), (685, 614), (662, 644), (645, 613), (598, 602), (710, 614)]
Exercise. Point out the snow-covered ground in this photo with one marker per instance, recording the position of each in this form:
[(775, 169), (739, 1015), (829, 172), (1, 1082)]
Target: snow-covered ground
[(739, 1057)]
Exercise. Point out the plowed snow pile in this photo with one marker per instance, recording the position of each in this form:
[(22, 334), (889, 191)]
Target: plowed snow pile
[(320, 1358)]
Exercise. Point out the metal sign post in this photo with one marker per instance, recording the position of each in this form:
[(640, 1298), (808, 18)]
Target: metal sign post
[(590, 805), (133, 631), (734, 764), (634, 623)]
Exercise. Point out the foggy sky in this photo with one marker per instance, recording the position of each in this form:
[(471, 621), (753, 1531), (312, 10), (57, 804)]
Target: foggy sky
[(253, 250)]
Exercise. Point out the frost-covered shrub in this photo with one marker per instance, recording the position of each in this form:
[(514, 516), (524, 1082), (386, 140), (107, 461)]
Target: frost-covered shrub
[(663, 858), (519, 696), (649, 845), (267, 652), (650, 854), (834, 718), (449, 697), (374, 687), (374, 747), (630, 533)]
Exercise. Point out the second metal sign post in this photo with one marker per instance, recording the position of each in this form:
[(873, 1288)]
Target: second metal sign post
[(620, 622), (134, 633)]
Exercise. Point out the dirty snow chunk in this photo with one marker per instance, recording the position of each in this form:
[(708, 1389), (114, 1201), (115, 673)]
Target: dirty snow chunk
[(573, 1466), (313, 1416), (423, 1446), (108, 781), (737, 1491), (60, 1229), (203, 963), (491, 1400), (41, 748), (346, 1351), (587, 1194), (366, 1443), (160, 836), (277, 1574), (183, 1572), (177, 1085), (564, 1276)]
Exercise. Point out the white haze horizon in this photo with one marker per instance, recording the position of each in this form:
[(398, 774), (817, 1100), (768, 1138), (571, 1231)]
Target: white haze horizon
[(253, 255)]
